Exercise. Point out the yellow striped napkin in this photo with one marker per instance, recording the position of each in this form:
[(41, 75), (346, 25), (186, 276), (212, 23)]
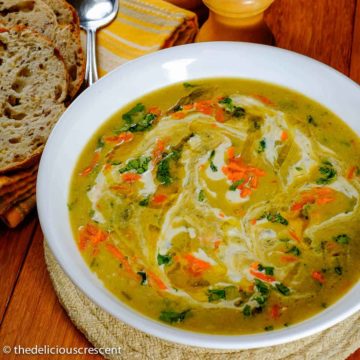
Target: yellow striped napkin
[(141, 27)]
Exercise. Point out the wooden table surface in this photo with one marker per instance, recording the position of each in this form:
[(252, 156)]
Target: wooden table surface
[(30, 314)]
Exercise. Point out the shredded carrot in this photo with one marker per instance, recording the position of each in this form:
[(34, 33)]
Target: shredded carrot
[(318, 276), (217, 244), (178, 115), (318, 195), (231, 152), (130, 177), (159, 198), (121, 138), (288, 258), (155, 110), (275, 311), (253, 221), (188, 106), (284, 136), (158, 150), (262, 276), (219, 115), (263, 99), (221, 214), (90, 233), (294, 235), (155, 280), (120, 187), (196, 266), (351, 173), (93, 163), (205, 107), (123, 260)]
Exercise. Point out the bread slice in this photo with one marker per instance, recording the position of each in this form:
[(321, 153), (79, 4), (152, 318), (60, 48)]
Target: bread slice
[(67, 40), (65, 13), (32, 13), (39, 16), (33, 87)]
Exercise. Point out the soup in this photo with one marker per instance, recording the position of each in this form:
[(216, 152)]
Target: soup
[(224, 206)]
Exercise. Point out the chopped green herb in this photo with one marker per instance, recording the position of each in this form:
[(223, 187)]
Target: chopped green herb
[(143, 277), (342, 239), (163, 171), (247, 310), (338, 270), (304, 212), (236, 111), (298, 168), (137, 119), (100, 143), (177, 108), (188, 85), (269, 270), (173, 316), (116, 162), (145, 201), (140, 165), (261, 300), (294, 250), (213, 167), (216, 294), (261, 287), (91, 213), (275, 218), (328, 173), (201, 196), (262, 146), (311, 120), (235, 185), (282, 289), (269, 328), (164, 259)]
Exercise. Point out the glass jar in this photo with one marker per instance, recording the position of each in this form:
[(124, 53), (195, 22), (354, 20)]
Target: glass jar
[(236, 20)]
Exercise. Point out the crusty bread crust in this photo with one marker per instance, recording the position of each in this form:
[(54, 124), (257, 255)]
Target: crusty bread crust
[(65, 13), (33, 87)]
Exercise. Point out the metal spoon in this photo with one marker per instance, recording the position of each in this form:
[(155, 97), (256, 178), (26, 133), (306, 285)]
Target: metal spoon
[(93, 15)]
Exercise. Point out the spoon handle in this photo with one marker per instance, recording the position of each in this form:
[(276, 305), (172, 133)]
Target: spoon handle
[(91, 74)]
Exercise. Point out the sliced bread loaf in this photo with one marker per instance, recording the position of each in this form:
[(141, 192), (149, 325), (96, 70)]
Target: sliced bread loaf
[(65, 13), (67, 40), (32, 13), (40, 17), (33, 87)]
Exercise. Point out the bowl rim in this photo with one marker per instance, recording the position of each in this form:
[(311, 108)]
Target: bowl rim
[(134, 318)]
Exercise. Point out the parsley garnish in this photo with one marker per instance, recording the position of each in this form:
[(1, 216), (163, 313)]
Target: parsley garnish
[(140, 165), (145, 201), (328, 173), (342, 239), (282, 289), (173, 316), (247, 310), (269, 270), (201, 196), (164, 259), (235, 185), (236, 111), (213, 167), (262, 146), (216, 294), (311, 120), (294, 250), (137, 119), (338, 270), (143, 277), (163, 171), (274, 218)]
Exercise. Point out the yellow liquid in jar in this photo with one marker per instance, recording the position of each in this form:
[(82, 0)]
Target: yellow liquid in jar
[(236, 20)]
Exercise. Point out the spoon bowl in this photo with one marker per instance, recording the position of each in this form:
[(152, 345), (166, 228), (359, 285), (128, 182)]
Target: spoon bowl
[(93, 15)]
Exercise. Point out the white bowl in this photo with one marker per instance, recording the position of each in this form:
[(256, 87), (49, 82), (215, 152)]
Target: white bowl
[(136, 78)]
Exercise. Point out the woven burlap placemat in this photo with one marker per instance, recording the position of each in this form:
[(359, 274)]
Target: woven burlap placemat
[(104, 331)]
